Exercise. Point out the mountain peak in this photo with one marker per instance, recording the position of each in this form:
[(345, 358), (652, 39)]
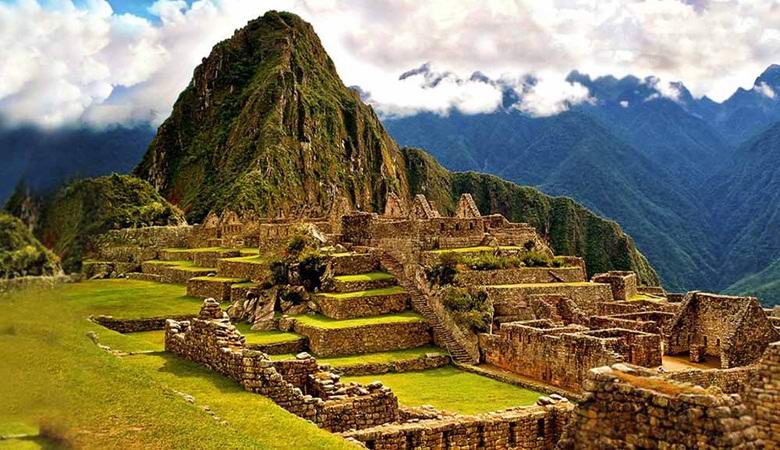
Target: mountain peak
[(267, 125)]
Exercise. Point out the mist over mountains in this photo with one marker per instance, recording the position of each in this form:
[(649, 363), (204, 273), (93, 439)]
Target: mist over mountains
[(692, 180)]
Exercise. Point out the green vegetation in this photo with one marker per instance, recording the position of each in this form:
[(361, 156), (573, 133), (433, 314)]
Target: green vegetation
[(51, 369), (21, 254), (453, 390), (373, 358), (84, 209), (569, 228), (478, 249), (252, 259), (187, 266), (369, 276), (765, 285), (155, 339), (318, 321), (444, 272), (369, 293), (534, 285), (470, 308), (265, 337), (128, 299), (220, 279)]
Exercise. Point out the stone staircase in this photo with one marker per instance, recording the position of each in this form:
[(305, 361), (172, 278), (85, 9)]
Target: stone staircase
[(417, 287)]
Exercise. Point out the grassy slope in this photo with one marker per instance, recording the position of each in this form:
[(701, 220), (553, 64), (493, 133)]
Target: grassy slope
[(370, 293), (453, 390), (128, 299), (51, 369), (765, 285), (369, 276)]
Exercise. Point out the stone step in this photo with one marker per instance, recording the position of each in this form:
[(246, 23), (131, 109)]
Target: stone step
[(217, 288), (362, 303), (176, 272), (352, 263), (251, 267), (363, 282), (330, 338), (200, 257)]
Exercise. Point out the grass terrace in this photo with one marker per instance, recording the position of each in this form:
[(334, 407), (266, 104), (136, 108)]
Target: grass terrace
[(51, 369), (220, 279), (370, 293), (265, 337), (373, 358), (128, 299), (252, 259), (483, 248), (453, 390), (369, 276), (188, 266), (244, 251), (319, 321)]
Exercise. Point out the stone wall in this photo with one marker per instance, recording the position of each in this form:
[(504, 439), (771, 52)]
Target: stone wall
[(365, 306), (138, 244), (562, 355), (254, 271), (210, 287), (425, 362), (137, 325), (763, 397), (522, 275), (170, 274), (532, 428), (631, 408), (586, 296), (362, 339), (730, 381), (100, 269), (297, 386), (624, 285)]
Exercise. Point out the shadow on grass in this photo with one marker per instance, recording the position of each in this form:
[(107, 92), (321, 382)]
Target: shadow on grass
[(191, 374)]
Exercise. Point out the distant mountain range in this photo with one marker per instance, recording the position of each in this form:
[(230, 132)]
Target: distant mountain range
[(690, 179)]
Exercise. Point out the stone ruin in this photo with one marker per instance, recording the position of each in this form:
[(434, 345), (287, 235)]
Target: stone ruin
[(550, 326)]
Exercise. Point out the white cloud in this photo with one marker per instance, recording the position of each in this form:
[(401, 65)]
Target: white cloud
[(550, 96), (765, 90), (66, 64)]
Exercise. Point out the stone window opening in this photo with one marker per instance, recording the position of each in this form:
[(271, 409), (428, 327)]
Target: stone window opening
[(445, 438), (370, 444), (540, 427), (409, 441), (457, 227), (705, 342), (441, 226), (512, 438), (471, 225), (481, 435), (717, 342)]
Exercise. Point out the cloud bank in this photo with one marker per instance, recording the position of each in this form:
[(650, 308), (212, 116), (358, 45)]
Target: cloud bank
[(72, 64)]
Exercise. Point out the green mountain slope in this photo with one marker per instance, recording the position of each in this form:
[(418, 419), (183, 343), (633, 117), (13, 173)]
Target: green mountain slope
[(570, 228), (765, 285), (267, 125), (21, 254), (746, 205), (67, 220), (574, 155)]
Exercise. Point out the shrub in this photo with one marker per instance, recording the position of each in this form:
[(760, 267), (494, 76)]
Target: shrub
[(297, 243), (536, 259), (470, 308), (529, 245), (558, 262), (445, 270), (311, 267)]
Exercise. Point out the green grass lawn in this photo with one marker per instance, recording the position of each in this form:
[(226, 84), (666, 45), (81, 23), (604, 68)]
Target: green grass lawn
[(188, 266), (368, 276), (128, 299), (265, 337), (53, 375), (370, 293), (319, 321), (155, 341), (382, 357), (252, 259), (220, 279), (453, 390)]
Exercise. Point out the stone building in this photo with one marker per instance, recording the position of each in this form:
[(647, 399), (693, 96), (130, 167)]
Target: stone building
[(735, 330)]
